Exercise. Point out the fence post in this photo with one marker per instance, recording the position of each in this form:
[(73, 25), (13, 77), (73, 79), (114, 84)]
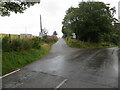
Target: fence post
[(18, 36), (9, 37)]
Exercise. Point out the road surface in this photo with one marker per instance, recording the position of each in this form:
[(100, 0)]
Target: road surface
[(66, 67)]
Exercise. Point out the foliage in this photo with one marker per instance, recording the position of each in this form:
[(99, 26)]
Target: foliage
[(26, 44), (117, 29), (13, 60), (6, 46), (90, 21), (17, 52), (36, 42), (81, 44), (9, 45), (17, 7), (119, 54), (17, 44), (49, 40)]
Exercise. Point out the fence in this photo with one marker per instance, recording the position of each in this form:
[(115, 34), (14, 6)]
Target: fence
[(12, 42), (14, 36)]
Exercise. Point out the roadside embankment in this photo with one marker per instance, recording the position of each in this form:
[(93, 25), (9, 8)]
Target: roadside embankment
[(80, 44), (18, 52)]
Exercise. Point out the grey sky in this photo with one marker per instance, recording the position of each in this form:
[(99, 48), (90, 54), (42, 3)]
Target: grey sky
[(52, 12)]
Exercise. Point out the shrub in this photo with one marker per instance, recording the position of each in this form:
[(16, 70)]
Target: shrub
[(80, 44), (115, 39), (36, 42), (49, 40), (26, 44), (6, 44), (19, 44), (16, 45)]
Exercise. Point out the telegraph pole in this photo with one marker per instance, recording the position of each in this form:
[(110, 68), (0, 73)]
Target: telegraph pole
[(40, 23), (41, 30)]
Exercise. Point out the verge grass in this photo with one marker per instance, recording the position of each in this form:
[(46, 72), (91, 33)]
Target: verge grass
[(14, 60), (119, 54), (19, 50), (80, 44)]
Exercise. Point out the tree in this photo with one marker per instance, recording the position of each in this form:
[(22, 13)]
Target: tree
[(54, 33), (17, 7), (90, 20), (69, 22), (116, 31)]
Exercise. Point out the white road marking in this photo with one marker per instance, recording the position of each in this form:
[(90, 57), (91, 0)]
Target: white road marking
[(61, 84), (10, 73)]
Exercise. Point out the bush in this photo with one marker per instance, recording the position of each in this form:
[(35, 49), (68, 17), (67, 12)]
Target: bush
[(80, 44), (49, 40), (115, 39), (26, 44), (6, 44), (112, 38), (36, 42), (17, 44)]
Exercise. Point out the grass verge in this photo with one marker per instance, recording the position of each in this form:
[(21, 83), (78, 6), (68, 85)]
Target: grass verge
[(14, 60), (80, 44), (119, 54)]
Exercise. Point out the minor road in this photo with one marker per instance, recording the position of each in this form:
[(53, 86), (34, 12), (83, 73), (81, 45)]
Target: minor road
[(66, 67)]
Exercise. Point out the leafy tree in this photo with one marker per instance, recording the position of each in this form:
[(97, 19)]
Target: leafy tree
[(54, 33), (116, 32), (69, 23), (90, 20), (117, 27), (17, 7)]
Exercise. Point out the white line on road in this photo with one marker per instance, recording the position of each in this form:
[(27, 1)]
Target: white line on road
[(10, 73), (61, 84)]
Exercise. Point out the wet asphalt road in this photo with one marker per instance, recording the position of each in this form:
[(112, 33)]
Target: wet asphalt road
[(79, 68)]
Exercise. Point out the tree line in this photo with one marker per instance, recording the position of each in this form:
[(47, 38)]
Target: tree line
[(92, 22)]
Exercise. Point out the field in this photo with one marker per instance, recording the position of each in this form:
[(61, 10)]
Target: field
[(15, 36)]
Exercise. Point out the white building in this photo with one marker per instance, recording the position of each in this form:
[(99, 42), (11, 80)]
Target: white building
[(119, 11)]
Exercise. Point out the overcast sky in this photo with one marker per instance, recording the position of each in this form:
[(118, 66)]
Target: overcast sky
[(52, 11)]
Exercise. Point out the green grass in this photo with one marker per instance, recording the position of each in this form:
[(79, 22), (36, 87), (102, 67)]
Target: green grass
[(119, 54), (19, 50), (0, 61), (14, 60), (80, 44)]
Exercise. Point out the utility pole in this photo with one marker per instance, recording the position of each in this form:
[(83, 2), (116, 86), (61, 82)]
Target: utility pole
[(41, 30), (40, 23)]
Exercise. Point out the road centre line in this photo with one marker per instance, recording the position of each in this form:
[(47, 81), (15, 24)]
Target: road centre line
[(10, 73)]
